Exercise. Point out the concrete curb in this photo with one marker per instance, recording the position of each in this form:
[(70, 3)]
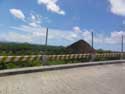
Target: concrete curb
[(55, 67)]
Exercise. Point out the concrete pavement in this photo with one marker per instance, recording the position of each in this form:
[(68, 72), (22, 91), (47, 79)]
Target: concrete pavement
[(106, 79)]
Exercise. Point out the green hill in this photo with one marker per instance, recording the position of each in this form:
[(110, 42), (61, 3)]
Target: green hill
[(29, 49)]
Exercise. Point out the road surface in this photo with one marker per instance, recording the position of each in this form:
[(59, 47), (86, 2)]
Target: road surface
[(106, 79)]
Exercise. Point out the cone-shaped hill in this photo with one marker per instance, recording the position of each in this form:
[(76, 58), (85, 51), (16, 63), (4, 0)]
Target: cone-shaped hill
[(80, 47)]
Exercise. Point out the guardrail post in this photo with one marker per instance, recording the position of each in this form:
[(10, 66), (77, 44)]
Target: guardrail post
[(44, 59), (121, 56), (93, 56)]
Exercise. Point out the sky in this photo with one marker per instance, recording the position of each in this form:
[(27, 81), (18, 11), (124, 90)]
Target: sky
[(67, 20)]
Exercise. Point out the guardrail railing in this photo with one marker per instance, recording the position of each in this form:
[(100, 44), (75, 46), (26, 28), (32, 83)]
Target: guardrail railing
[(46, 58)]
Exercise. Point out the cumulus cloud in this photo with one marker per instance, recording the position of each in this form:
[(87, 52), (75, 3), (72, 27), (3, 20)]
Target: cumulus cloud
[(16, 37), (36, 35), (34, 32), (34, 20), (52, 6), (54, 34), (115, 37), (117, 7), (76, 29), (17, 13)]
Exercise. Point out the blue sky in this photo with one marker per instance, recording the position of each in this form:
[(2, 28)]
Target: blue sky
[(67, 20)]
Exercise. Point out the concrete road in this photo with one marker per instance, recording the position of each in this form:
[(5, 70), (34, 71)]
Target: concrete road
[(106, 79)]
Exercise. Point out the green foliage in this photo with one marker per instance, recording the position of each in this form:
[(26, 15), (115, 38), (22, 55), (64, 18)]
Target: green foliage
[(103, 51), (55, 62), (11, 65), (29, 49), (107, 58)]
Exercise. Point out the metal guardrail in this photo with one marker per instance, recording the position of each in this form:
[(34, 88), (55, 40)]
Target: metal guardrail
[(19, 58), (55, 57)]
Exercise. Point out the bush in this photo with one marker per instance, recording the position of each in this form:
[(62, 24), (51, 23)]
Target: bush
[(11, 65)]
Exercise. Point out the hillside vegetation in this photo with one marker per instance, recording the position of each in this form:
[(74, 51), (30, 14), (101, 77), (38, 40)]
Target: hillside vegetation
[(29, 49), (32, 49)]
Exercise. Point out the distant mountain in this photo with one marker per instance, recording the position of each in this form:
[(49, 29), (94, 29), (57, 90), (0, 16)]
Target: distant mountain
[(80, 46), (10, 48)]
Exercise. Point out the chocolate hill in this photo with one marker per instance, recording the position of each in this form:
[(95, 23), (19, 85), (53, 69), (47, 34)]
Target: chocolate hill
[(79, 47)]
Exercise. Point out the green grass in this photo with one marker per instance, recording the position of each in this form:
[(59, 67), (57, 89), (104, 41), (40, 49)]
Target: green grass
[(11, 65)]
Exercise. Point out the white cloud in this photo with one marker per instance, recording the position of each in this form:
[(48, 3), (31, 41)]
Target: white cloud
[(53, 33), (115, 37), (17, 13), (33, 24), (52, 6), (59, 37), (72, 35), (33, 32), (117, 7), (86, 34), (16, 37), (76, 29), (34, 20)]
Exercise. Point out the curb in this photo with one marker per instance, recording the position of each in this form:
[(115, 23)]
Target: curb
[(55, 67)]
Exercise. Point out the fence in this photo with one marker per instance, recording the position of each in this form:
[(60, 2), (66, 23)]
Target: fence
[(45, 58)]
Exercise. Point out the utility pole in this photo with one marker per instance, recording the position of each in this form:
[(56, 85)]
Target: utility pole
[(46, 42), (44, 57), (122, 45), (93, 56), (92, 40)]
